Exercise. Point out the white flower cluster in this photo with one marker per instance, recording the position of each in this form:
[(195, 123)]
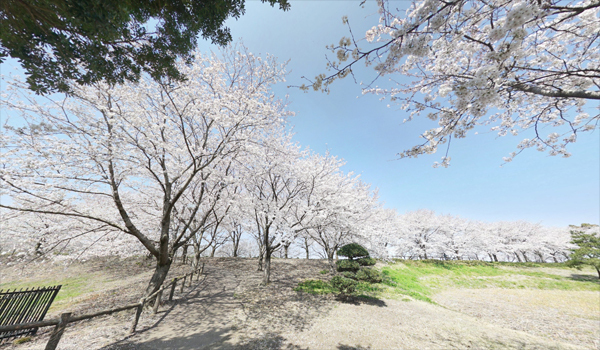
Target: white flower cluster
[(521, 64)]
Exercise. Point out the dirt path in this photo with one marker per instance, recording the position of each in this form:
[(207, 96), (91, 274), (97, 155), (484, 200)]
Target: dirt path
[(230, 310), (565, 316)]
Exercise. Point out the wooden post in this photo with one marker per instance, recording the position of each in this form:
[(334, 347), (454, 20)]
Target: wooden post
[(173, 289), (182, 284), (157, 302), (136, 317), (58, 331)]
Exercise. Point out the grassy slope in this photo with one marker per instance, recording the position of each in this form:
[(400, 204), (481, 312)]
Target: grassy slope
[(80, 281), (422, 279)]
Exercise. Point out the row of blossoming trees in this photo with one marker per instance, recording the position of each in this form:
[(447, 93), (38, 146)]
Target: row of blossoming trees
[(170, 169), (166, 168), (424, 235)]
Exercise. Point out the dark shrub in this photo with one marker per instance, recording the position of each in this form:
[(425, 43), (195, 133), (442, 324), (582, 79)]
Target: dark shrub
[(366, 261), (347, 265), (344, 285), (353, 250), (369, 275), (349, 274)]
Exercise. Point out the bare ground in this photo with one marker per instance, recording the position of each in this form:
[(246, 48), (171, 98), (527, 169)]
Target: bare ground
[(228, 309)]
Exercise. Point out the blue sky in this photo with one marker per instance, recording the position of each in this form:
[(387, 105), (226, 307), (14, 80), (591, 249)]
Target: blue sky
[(367, 135), (363, 131)]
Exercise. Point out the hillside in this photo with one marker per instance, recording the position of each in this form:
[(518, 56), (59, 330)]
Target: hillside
[(422, 305)]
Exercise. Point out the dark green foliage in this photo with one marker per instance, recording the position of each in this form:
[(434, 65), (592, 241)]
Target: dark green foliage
[(347, 265), (314, 287), (352, 251), (343, 285), (92, 40), (369, 275), (349, 274), (587, 251), (366, 261)]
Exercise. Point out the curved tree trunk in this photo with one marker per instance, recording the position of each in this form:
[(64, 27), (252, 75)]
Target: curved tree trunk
[(518, 257), (158, 277)]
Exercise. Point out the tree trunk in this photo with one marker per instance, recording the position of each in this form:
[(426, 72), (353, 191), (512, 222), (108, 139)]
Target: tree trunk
[(540, 256), (331, 262), (285, 249), (236, 244), (213, 250), (159, 276), (267, 267), (518, 257), (598, 270), (306, 247), (261, 256), (197, 253), (184, 254)]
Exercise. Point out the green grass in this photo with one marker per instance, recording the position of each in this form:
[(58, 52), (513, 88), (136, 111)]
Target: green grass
[(22, 340), (315, 287), (422, 279), (71, 287)]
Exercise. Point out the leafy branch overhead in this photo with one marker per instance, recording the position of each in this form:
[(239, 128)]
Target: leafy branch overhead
[(112, 40), (507, 65)]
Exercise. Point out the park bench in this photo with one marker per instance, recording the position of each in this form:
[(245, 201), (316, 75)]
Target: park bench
[(23, 307)]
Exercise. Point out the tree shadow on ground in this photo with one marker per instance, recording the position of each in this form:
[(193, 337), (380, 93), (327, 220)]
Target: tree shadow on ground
[(585, 278), (230, 309), (360, 300), (269, 341), (348, 347), (220, 341)]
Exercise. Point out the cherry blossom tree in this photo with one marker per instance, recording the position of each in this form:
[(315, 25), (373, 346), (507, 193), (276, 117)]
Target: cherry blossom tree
[(135, 148), (512, 66), (422, 228), (275, 184), (342, 206)]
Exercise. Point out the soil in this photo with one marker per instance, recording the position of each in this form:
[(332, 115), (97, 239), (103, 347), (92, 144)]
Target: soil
[(229, 309)]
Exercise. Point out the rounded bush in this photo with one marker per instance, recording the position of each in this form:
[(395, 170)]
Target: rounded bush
[(343, 285), (349, 274), (352, 251), (369, 275), (347, 265), (366, 261)]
